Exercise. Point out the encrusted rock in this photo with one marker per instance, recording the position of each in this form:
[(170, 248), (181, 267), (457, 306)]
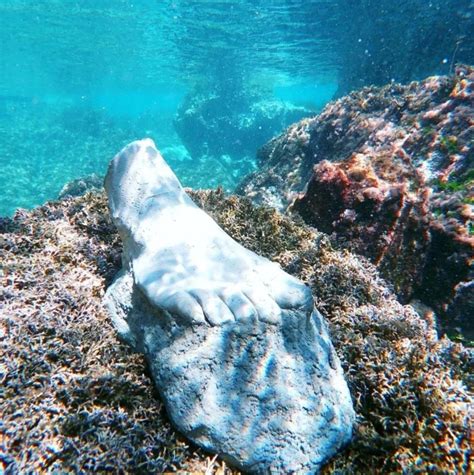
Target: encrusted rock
[(389, 173)]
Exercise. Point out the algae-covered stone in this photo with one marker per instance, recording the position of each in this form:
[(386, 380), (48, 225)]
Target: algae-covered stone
[(76, 400)]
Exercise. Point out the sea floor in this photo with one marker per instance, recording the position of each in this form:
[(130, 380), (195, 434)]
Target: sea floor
[(78, 400)]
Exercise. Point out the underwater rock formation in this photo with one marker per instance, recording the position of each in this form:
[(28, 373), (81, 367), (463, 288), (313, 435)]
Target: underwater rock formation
[(239, 354), (76, 400), (389, 172), (80, 186), (221, 124)]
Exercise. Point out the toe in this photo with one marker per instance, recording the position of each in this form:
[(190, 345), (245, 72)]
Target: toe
[(240, 305), (267, 309), (290, 293), (215, 310), (183, 305)]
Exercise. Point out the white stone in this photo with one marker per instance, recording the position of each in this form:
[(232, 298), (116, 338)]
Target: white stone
[(242, 359)]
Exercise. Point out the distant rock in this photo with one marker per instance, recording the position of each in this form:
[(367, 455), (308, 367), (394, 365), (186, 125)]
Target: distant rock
[(217, 124), (82, 185), (389, 172)]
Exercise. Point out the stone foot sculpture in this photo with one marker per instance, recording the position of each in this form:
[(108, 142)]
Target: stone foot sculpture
[(241, 357)]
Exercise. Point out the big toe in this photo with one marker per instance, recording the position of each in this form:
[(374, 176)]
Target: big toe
[(182, 304), (290, 293)]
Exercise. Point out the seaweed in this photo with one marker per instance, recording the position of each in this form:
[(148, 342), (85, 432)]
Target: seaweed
[(449, 143), (75, 399)]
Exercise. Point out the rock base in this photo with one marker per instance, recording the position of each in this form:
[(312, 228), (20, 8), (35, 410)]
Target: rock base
[(267, 398)]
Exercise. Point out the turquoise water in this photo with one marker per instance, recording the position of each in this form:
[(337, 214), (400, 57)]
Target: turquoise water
[(79, 79)]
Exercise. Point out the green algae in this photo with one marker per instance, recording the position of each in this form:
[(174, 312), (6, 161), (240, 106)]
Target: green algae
[(449, 143)]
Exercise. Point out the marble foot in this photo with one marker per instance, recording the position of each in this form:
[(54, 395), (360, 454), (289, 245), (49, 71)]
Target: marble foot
[(237, 350)]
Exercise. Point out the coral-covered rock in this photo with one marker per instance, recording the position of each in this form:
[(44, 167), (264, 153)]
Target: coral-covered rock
[(389, 172), (379, 218)]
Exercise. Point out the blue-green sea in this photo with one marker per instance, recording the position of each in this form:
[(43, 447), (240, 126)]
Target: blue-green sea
[(80, 79)]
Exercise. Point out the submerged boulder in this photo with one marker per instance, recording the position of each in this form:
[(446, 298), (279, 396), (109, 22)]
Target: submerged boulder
[(389, 173), (215, 124), (265, 398), (75, 399)]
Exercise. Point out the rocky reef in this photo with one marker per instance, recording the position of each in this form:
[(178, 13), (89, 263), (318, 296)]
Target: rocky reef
[(75, 399), (233, 123), (389, 173)]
